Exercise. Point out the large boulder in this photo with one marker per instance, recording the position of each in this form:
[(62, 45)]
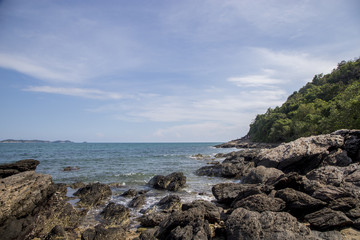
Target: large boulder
[(93, 194), (172, 182), (260, 203), (228, 192), (116, 214), (263, 175), (301, 155), (21, 193), (235, 168), (328, 219), (245, 224), (7, 170), (152, 219), (138, 201), (170, 203), (211, 212), (299, 203)]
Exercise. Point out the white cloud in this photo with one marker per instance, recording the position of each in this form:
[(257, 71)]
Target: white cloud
[(255, 81), (77, 92)]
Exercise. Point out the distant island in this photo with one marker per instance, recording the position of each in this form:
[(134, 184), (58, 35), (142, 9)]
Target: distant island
[(33, 141)]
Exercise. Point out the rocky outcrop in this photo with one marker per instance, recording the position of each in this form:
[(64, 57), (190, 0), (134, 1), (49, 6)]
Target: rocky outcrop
[(245, 224), (172, 182), (116, 214), (137, 202), (93, 194), (170, 203), (7, 170)]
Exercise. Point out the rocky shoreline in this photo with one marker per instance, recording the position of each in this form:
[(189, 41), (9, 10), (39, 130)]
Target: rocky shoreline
[(305, 189)]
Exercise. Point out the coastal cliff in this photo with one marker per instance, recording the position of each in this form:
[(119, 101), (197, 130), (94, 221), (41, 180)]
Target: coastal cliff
[(305, 189)]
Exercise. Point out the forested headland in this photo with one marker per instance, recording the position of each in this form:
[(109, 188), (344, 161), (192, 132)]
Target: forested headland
[(327, 103)]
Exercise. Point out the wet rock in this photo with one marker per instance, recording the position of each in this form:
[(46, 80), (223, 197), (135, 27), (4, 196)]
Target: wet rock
[(77, 185), (170, 203), (328, 219), (171, 182), (69, 168), (152, 219), (263, 175), (299, 203), (130, 193), (7, 170), (245, 224), (301, 155), (93, 194), (137, 202), (116, 214), (211, 212), (260, 203), (100, 232)]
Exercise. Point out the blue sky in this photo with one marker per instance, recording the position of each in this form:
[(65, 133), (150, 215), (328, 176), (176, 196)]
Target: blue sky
[(155, 71)]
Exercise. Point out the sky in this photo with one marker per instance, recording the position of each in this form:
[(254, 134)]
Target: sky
[(161, 71)]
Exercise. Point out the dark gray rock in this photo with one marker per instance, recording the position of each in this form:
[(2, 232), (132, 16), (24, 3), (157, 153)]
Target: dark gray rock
[(328, 219), (130, 193), (260, 203), (7, 170), (152, 219), (171, 182), (338, 157), (93, 194), (245, 224), (189, 224), (170, 203), (211, 212), (137, 202), (299, 203), (262, 175), (116, 214)]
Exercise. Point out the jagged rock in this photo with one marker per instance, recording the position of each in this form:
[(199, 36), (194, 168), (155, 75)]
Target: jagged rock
[(7, 170), (211, 212), (329, 193), (328, 219), (102, 233), (337, 158), (152, 219), (171, 182), (21, 193), (137, 201), (130, 193), (327, 175), (260, 203), (116, 214), (93, 194), (189, 224), (170, 203), (301, 155), (228, 192), (245, 224), (330, 235), (297, 182), (299, 203), (262, 174), (344, 204), (148, 234), (232, 169)]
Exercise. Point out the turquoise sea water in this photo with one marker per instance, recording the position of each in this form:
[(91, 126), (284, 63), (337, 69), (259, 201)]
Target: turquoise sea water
[(130, 165)]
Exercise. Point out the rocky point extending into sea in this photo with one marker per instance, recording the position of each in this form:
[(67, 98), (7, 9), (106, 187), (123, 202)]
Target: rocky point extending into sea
[(305, 189)]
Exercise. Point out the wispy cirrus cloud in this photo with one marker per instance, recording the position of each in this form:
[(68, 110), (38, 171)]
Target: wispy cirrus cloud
[(76, 92)]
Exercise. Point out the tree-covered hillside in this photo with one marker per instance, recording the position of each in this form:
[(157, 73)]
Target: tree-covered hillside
[(328, 103)]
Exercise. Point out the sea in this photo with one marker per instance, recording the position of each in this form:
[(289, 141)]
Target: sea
[(122, 165)]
